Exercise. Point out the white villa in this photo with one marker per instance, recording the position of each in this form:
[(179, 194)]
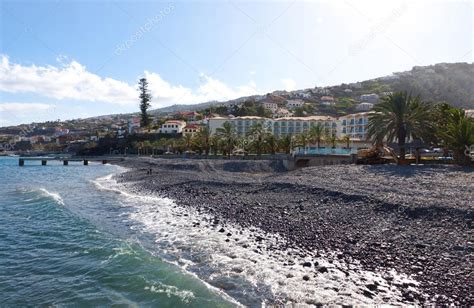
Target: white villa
[(364, 107), (273, 107), (172, 127), (295, 103)]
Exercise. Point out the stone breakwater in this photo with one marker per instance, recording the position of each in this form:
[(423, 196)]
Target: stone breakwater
[(413, 220)]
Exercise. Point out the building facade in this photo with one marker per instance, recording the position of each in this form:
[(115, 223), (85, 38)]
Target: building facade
[(191, 129), (295, 103), (172, 127), (278, 126), (354, 125)]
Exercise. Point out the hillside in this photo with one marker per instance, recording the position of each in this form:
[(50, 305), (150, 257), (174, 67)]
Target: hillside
[(450, 82)]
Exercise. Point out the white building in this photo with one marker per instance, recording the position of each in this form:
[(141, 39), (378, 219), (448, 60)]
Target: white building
[(242, 124), (369, 98), (172, 127), (133, 124), (278, 126), (364, 107), (295, 103), (328, 100), (354, 125), (297, 125), (273, 107), (469, 112)]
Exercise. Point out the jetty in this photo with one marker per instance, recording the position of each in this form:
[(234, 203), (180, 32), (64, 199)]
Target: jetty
[(65, 160)]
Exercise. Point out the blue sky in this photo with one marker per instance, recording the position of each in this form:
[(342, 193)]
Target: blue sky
[(69, 59)]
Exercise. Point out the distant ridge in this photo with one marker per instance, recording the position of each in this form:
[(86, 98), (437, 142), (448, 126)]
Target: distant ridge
[(450, 82)]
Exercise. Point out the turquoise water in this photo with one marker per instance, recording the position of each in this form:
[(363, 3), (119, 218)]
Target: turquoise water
[(63, 241)]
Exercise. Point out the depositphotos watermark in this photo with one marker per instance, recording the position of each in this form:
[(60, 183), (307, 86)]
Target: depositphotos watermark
[(149, 25)]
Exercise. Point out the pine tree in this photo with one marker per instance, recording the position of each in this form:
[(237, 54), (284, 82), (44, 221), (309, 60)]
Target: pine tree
[(145, 98)]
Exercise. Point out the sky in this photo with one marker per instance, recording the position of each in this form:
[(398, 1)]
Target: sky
[(74, 59)]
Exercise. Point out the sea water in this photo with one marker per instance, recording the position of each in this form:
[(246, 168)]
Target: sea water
[(74, 236), (63, 241)]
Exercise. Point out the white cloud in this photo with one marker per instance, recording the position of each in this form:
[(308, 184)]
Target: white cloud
[(288, 84), (70, 81), (24, 107), (73, 81)]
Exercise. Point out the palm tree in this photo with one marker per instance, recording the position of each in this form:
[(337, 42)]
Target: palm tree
[(203, 139), (271, 143), (284, 143), (187, 139), (333, 140), (228, 134), (302, 140), (400, 117), (347, 140), (316, 134), (214, 144), (458, 134), (257, 133)]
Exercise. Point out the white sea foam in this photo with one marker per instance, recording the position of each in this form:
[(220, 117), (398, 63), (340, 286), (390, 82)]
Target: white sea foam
[(241, 266), (184, 295), (55, 196)]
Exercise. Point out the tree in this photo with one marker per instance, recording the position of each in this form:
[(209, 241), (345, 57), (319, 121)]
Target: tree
[(271, 143), (187, 139), (458, 134), (257, 133), (333, 140), (214, 144), (302, 140), (316, 133), (203, 139), (228, 134), (284, 144), (400, 117), (347, 140), (145, 98)]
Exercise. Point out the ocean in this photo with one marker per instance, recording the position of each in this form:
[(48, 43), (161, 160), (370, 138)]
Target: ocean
[(66, 239), (74, 236)]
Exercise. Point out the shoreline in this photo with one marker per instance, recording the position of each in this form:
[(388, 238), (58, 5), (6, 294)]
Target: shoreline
[(380, 218)]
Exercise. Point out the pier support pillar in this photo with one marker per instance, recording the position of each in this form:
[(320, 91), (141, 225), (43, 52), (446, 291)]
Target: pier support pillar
[(65, 162), (43, 162), (21, 162), (104, 161), (86, 162)]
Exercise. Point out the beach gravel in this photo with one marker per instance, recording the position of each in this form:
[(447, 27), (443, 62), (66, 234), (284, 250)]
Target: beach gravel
[(416, 220)]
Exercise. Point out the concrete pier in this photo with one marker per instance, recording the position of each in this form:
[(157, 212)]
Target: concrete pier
[(85, 160)]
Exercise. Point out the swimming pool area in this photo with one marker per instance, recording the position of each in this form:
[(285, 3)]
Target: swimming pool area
[(323, 151)]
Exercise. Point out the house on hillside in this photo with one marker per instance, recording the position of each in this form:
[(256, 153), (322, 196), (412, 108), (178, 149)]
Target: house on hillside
[(133, 124), (294, 103), (191, 129), (369, 98), (364, 107), (189, 116), (328, 100), (172, 127), (270, 106)]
